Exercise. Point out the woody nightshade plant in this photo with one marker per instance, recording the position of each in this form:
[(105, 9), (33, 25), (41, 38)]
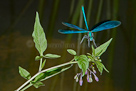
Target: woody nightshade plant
[(87, 63)]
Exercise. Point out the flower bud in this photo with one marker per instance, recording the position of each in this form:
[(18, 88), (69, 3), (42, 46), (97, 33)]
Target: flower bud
[(94, 71), (96, 78), (81, 82), (75, 77), (87, 77), (86, 72), (90, 80)]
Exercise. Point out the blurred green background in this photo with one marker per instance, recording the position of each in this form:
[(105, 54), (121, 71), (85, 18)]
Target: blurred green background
[(17, 47)]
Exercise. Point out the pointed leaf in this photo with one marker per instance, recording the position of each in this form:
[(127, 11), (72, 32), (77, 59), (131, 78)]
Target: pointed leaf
[(38, 58), (76, 58), (88, 54), (100, 66), (51, 56), (102, 48), (24, 73), (72, 52), (39, 77), (44, 75), (105, 69), (38, 84), (39, 36), (93, 51), (83, 63), (43, 64), (48, 74), (54, 72)]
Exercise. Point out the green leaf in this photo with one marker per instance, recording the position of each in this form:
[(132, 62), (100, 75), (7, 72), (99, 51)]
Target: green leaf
[(83, 63), (52, 70), (90, 58), (24, 73), (76, 58), (38, 84), (38, 58), (39, 77), (39, 36), (55, 71), (89, 54), (51, 56), (105, 69), (102, 48), (46, 74), (93, 51), (100, 66), (72, 52), (43, 64)]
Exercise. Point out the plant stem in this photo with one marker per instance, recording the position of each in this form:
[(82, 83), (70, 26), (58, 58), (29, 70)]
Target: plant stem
[(64, 69), (29, 85), (43, 72), (61, 65), (28, 81), (40, 66)]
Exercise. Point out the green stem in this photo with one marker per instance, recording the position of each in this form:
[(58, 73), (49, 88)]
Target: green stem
[(40, 67), (61, 65), (29, 85), (72, 60)]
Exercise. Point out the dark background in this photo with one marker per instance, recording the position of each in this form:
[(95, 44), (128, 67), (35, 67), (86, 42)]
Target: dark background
[(17, 48)]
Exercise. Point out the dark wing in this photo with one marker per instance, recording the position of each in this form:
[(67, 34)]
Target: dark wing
[(72, 26), (106, 25), (70, 31)]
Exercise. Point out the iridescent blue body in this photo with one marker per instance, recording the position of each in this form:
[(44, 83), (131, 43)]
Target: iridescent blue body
[(99, 27), (90, 35)]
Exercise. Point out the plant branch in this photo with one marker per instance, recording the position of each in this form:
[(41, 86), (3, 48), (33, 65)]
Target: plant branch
[(40, 66), (61, 65), (29, 85)]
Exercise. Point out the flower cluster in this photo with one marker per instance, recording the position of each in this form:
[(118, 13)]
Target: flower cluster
[(89, 73)]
